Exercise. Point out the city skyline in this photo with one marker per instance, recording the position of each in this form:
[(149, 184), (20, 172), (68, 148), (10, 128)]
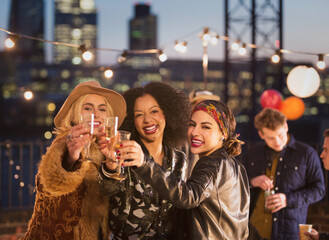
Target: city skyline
[(303, 27)]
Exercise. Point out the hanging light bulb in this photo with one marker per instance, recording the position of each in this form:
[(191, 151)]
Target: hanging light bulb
[(10, 42), (28, 95), (108, 73), (123, 57), (243, 50), (321, 64), (214, 40), (86, 55), (162, 57), (206, 35), (181, 46), (276, 57), (235, 45)]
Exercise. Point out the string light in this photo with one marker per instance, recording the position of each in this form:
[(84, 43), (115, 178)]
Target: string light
[(28, 95), (235, 46), (10, 42), (242, 50), (123, 57), (180, 47), (276, 57), (86, 54), (162, 57), (321, 64), (108, 73), (214, 39)]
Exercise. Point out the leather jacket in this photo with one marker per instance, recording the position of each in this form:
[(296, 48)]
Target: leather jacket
[(216, 196), (136, 209)]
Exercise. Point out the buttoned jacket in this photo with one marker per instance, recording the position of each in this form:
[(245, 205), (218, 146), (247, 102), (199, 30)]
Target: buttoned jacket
[(298, 175)]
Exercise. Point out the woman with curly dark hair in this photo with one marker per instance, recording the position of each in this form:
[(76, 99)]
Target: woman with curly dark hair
[(157, 117), (216, 195)]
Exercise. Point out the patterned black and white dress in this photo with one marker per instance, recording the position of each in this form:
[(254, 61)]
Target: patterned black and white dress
[(136, 209)]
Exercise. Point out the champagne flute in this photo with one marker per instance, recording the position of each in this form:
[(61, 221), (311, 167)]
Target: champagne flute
[(88, 121), (123, 136), (111, 125)]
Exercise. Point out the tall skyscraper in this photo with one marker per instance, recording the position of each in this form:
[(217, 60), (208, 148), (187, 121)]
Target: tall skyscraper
[(27, 17), (75, 23), (143, 28)]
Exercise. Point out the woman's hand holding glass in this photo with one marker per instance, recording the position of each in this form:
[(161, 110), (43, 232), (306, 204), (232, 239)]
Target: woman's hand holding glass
[(131, 154), (77, 138)]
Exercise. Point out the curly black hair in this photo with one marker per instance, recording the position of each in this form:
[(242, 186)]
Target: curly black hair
[(174, 104)]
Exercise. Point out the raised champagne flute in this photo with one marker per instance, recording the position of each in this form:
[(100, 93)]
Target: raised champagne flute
[(123, 136), (111, 125), (88, 121)]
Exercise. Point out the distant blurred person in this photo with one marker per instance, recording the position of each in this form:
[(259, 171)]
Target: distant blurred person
[(325, 159), (285, 175)]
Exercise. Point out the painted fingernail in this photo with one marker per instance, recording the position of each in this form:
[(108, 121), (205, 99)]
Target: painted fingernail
[(121, 164), (121, 145), (118, 157), (117, 151)]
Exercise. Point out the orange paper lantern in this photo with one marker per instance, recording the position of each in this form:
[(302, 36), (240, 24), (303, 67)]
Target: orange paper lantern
[(292, 107)]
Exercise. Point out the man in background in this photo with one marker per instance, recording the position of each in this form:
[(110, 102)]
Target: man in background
[(288, 171)]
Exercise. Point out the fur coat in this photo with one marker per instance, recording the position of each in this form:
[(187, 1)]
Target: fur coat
[(69, 204)]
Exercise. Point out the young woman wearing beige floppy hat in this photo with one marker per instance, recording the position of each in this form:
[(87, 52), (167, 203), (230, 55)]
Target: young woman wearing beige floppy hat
[(69, 203)]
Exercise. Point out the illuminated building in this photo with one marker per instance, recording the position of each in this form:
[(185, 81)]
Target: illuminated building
[(75, 23), (26, 17), (143, 29)]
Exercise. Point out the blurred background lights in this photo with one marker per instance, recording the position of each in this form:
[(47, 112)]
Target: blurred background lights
[(162, 57), (235, 45), (18, 167), (276, 57), (51, 107), (76, 60), (28, 95), (242, 50), (21, 184), (321, 64), (9, 43), (87, 56), (16, 176), (108, 73), (48, 135)]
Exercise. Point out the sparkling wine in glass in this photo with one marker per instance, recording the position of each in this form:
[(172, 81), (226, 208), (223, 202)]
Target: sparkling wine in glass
[(111, 125), (123, 136), (88, 121)]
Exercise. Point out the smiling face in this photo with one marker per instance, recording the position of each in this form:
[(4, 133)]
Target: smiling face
[(325, 154), (204, 134), (95, 104), (275, 139), (149, 119)]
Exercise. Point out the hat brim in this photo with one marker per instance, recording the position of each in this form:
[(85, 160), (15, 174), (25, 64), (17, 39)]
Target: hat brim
[(205, 97), (116, 101)]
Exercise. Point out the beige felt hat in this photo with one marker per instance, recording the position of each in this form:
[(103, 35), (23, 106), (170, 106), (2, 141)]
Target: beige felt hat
[(200, 95), (115, 99)]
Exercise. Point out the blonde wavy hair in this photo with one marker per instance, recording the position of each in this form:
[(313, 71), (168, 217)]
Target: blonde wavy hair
[(72, 117)]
